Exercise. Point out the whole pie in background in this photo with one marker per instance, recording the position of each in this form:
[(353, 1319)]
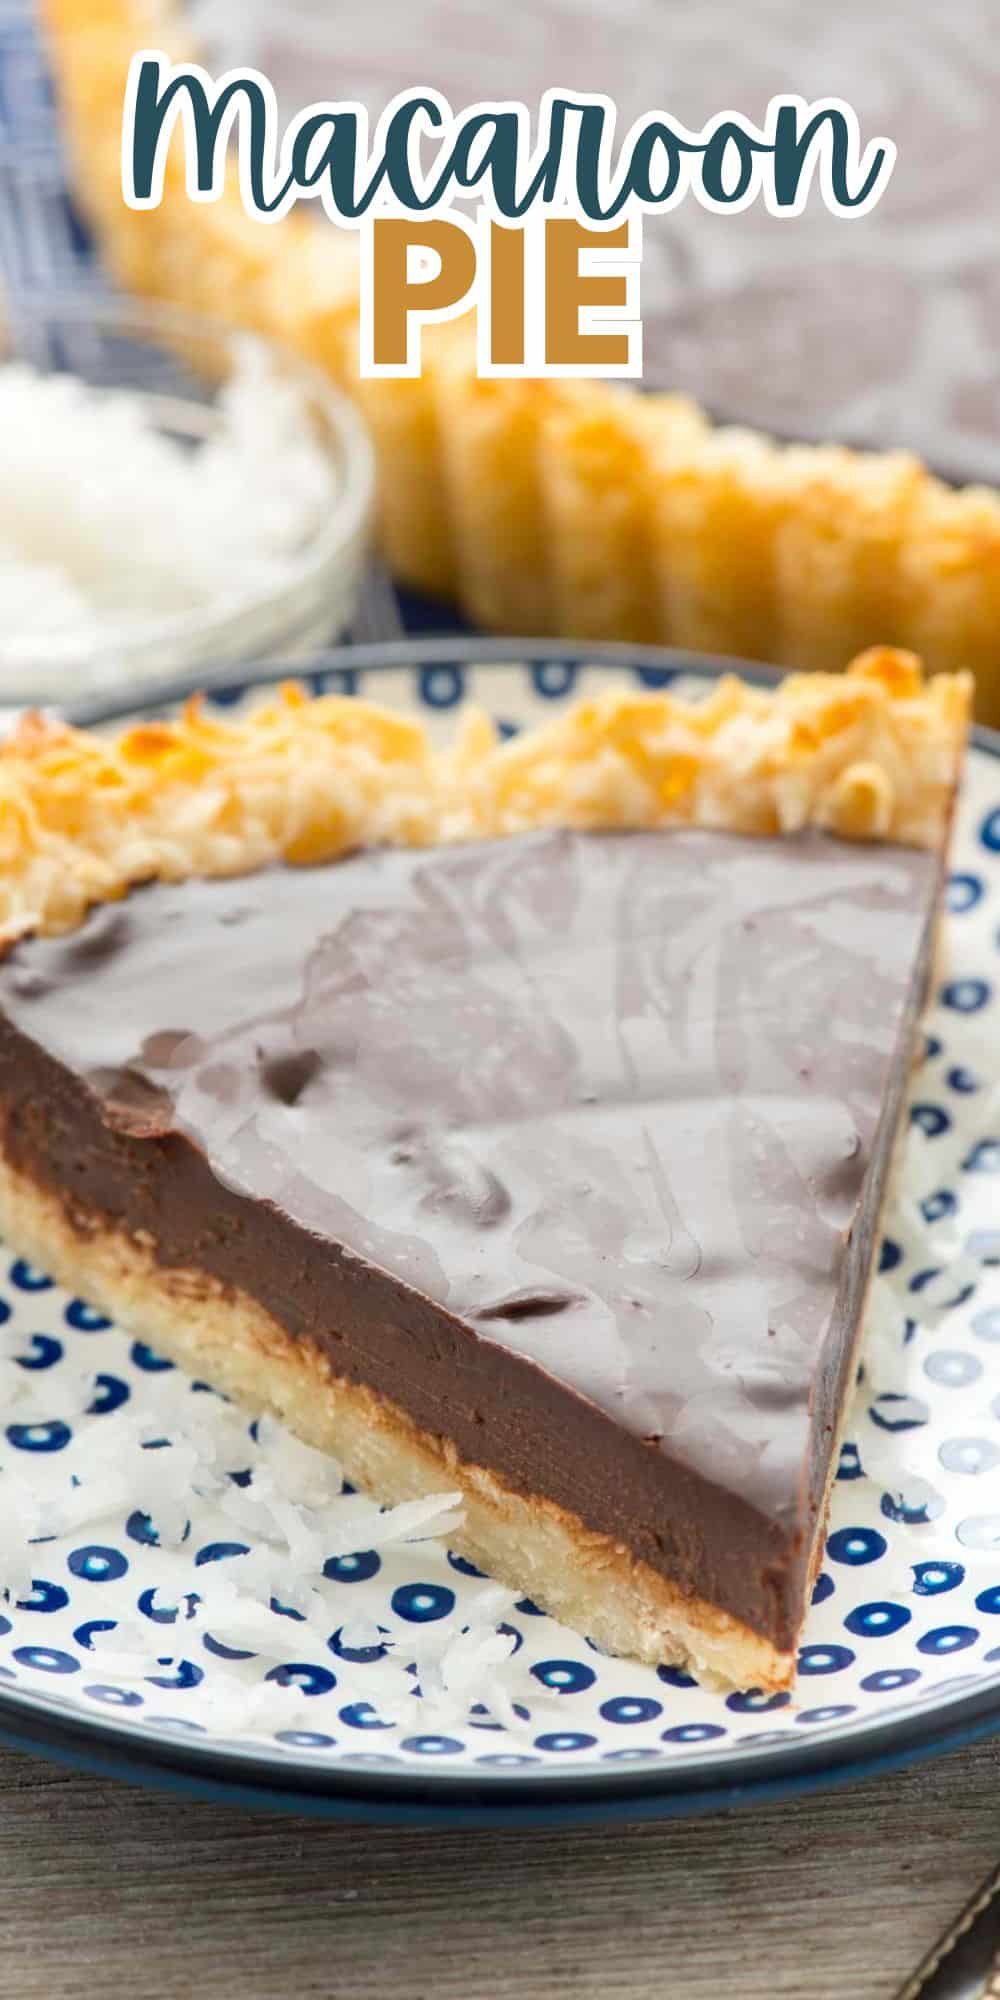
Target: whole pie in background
[(585, 509)]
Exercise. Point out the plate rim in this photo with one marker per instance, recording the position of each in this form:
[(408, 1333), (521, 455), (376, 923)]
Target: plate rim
[(729, 1775), (449, 649), (236, 1774)]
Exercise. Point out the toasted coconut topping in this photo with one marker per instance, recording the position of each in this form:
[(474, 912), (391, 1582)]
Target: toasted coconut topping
[(870, 755)]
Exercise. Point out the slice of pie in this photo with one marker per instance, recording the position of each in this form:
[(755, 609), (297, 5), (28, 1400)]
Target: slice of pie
[(533, 1139)]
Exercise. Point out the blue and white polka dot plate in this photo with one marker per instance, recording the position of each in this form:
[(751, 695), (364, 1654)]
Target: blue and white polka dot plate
[(902, 1648)]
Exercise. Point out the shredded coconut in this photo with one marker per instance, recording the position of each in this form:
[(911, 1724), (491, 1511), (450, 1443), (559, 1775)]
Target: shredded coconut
[(176, 1454), (109, 526)]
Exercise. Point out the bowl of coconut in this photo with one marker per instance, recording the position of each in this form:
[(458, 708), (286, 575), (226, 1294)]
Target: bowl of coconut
[(174, 496)]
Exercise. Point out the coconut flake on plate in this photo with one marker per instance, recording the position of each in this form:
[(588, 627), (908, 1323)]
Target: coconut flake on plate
[(20, 1526), (354, 1523), (302, 1474), (170, 1455), (67, 1393), (14, 1388), (128, 1652)]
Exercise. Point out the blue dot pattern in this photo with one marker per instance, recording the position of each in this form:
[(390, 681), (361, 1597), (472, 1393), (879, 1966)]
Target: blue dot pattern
[(877, 1621), (554, 679), (44, 1596), (25, 1278), (98, 1565), (948, 1639), (312, 1680), (967, 995), (361, 1715), (630, 1709), (931, 1119), (825, 1659), (442, 686), (43, 1437), (855, 1545), (46, 1659), (85, 1319), (143, 1357), (910, 1575), (356, 1568), (45, 1351), (338, 1644), (564, 1676), (964, 892), (931, 1578), (421, 1603)]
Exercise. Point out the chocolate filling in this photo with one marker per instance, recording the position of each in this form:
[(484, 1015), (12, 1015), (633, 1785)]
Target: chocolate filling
[(572, 1145)]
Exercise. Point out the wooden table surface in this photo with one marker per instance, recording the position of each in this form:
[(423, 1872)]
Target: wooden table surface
[(110, 1891)]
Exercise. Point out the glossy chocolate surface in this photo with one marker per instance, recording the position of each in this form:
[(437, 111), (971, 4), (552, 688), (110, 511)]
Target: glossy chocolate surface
[(557, 1141)]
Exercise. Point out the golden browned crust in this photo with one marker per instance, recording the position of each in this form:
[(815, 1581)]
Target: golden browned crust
[(870, 755), (537, 1548), (576, 508)]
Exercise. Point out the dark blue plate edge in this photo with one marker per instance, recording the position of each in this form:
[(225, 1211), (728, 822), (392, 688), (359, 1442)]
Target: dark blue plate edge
[(188, 1769), (692, 1786)]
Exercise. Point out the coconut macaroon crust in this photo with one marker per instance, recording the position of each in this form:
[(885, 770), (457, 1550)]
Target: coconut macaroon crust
[(868, 755), (513, 1118), (578, 508)]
